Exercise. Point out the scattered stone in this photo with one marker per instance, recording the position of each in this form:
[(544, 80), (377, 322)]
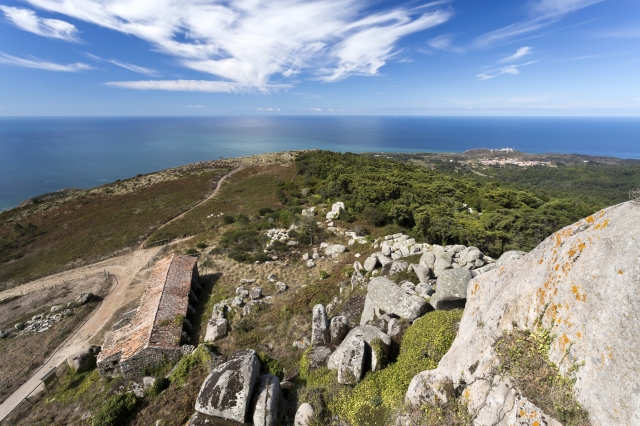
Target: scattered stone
[(302, 343), (424, 290), (338, 328), (19, 326), (304, 415), (320, 326), (84, 298), (429, 387), (305, 257), (267, 393), (370, 263), (216, 329), (334, 249), (5, 333), (239, 290), (83, 360), (256, 293), (311, 263), (335, 210), (281, 287), (247, 281), (272, 277), (318, 356), (57, 308), (409, 288), (372, 337), (398, 266), (237, 302), (394, 329), (227, 391)]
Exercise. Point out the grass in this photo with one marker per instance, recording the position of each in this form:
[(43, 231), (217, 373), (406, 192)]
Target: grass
[(246, 193), (91, 227), (524, 357)]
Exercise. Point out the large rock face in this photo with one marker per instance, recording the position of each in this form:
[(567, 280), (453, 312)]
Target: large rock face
[(391, 298), (582, 283), (227, 391)]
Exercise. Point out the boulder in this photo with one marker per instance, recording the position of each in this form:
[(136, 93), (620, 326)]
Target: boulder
[(281, 287), (247, 281), (265, 401), (351, 365), (338, 328), (451, 289), (398, 266), (394, 329), (255, 293), (373, 337), (311, 263), (368, 311), (216, 329), (357, 279), (471, 255), (272, 277), (5, 333), (389, 297), (19, 326), (227, 390), (83, 360), (240, 290), (319, 326), (424, 290), (304, 415), (581, 285), (509, 256), (335, 210), (318, 356), (57, 308), (429, 387), (371, 263), (84, 298), (334, 248), (442, 264), (428, 259), (422, 272), (408, 287)]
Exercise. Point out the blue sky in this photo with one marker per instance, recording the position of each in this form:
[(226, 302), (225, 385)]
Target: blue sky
[(207, 57)]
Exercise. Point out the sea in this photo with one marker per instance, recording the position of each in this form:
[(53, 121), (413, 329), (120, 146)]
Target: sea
[(41, 155)]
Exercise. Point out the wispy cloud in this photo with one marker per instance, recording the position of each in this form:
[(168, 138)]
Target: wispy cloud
[(523, 51), (257, 43), (541, 14), (135, 68), (509, 69), (33, 62), (195, 86), (444, 43), (27, 20)]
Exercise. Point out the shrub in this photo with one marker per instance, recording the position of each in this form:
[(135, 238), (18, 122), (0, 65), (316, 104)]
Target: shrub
[(180, 374), (323, 275), (348, 271), (227, 220), (191, 251), (115, 410), (201, 245), (304, 238), (374, 216), (264, 210), (241, 218), (239, 256), (270, 365), (261, 257)]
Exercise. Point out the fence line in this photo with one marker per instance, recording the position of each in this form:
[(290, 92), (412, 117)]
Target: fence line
[(108, 276)]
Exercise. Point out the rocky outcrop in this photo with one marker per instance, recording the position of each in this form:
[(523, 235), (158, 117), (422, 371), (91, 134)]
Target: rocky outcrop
[(348, 356), (580, 284), (227, 390), (216, 329), (335, 210), (451, 289), (320, 326)]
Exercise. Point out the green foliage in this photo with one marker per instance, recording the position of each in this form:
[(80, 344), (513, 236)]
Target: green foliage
[(323, 275), (348, 271), (523, 356), (228, 220), (270, 365), (191, 251), (201, 245), (431, 205), (115, 410), (158, 386), (264, 210), (188, 363), (381, 393)]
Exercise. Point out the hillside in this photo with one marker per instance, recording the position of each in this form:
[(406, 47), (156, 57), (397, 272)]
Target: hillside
[(271, 226)]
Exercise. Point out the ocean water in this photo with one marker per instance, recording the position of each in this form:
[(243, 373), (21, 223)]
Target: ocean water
[(39, 155)]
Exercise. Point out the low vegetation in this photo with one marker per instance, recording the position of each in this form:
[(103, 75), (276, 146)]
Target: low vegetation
[(524, 356)]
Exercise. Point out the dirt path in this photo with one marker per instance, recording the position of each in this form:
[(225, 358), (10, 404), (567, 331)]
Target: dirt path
[(125, 268), (213, 194)]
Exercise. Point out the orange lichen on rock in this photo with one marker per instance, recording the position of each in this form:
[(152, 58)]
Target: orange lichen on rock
[(563, 341)]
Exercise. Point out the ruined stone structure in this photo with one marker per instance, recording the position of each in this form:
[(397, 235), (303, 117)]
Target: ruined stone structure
[(155, 332)]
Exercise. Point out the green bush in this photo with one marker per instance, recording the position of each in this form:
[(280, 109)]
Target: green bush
[(323, 275), (270, 365), (115, 410), (241, 218), (201, 245), (191, 251), (261, 257), (227, 220), (278, 246), (348, 271), (264, 210), (304, 238)]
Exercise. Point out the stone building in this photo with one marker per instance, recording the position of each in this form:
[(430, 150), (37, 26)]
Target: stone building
[(155, 332)]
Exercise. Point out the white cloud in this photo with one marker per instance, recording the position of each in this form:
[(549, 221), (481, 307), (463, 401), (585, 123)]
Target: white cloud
[(316, 109), (40, 64), (195, 86), (135, 68), (519, 54), (509, 69), (444, 43), (256, 43), (541, 14), (27, 20)]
